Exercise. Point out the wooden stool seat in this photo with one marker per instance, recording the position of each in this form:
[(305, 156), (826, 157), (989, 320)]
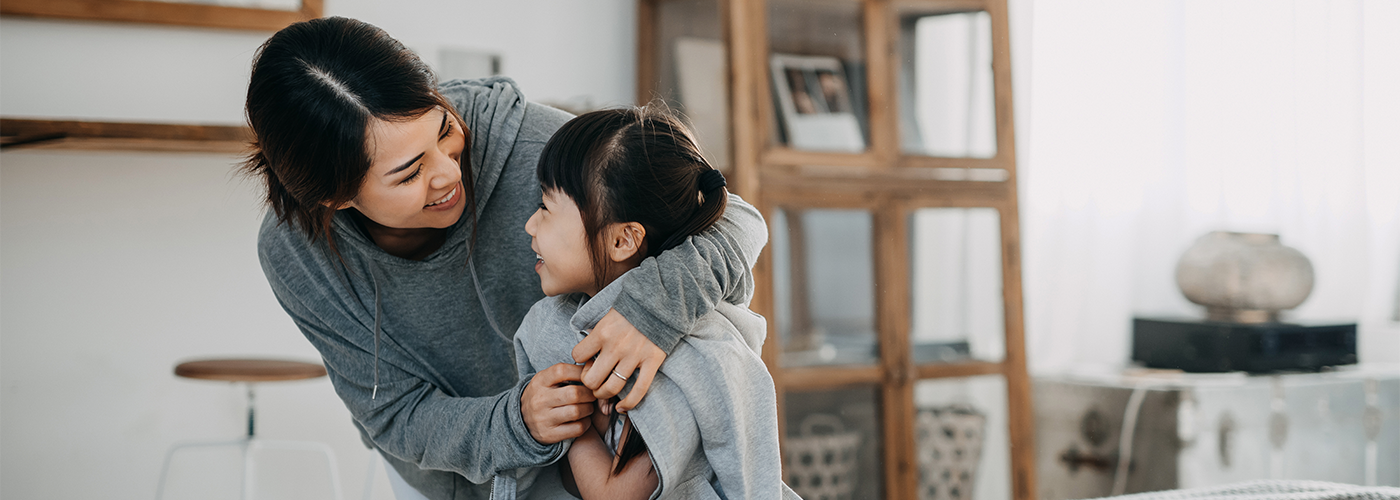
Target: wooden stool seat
[(249, 370)]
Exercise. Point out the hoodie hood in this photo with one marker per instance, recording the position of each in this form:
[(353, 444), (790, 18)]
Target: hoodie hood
[(493, 109)]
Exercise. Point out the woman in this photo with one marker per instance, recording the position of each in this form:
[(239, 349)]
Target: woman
[(395, 245)]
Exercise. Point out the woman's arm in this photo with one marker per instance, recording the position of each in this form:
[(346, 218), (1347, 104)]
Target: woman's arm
[(662, 298), (591, 463)]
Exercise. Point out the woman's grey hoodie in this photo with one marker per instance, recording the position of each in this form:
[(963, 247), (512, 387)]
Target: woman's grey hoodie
[(421, 352)]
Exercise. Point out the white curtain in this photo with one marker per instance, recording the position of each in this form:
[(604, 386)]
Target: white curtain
[(1143, 125)]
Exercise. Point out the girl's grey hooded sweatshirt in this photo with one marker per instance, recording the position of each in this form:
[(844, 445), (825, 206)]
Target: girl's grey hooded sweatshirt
[(710, 420), (421, 351)]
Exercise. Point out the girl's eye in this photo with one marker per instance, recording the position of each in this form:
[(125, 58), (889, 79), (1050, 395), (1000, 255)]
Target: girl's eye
[(410, 178), (542, 207), (447, 133)]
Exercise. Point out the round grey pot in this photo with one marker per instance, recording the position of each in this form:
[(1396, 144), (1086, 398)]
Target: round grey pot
[(1244, 277)]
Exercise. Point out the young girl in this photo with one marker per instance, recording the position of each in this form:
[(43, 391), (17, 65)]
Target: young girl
[(620, 186)]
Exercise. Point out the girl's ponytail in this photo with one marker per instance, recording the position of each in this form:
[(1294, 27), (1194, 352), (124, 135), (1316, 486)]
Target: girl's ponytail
[(713, 199)]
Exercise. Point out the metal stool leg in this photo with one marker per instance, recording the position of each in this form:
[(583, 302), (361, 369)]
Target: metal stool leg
[(248, 472), (374, 461), (170, 456), (246, 445), (310, 446)]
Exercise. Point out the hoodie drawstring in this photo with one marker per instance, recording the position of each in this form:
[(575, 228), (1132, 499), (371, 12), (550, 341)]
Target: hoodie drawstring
[(374, 277), (485, 307)]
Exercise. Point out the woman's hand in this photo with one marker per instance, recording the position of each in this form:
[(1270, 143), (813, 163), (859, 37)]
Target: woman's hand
[(553, 408), (620, 350)]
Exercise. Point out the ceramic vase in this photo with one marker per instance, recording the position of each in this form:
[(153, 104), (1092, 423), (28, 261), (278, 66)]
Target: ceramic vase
[(1244, 277)]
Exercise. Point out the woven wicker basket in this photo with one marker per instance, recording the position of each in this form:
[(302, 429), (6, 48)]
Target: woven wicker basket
[(949, 443), (821, 459)]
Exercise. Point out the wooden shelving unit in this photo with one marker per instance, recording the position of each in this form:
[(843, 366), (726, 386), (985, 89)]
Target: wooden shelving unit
[(886, 187), (109, 136)]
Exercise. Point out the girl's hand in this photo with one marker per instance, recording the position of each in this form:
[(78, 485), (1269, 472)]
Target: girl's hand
[(555, 409), (601, 416), (619, 348)]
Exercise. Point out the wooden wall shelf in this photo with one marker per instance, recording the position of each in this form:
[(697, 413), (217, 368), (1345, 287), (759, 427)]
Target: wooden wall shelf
[(175, 13), (18, 133)]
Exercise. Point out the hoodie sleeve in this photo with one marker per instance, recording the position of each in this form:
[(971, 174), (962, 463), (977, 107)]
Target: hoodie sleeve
[(666, 294), (406, 416)]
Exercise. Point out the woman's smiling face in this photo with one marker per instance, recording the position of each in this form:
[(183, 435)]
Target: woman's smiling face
[(415, 178), (560, 243)]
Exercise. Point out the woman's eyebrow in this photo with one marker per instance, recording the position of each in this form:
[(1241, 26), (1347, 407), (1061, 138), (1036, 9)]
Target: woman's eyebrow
[(407, 164), (415, 159)]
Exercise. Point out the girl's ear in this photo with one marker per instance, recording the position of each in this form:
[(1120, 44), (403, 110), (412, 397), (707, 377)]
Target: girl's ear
[(625, 240)]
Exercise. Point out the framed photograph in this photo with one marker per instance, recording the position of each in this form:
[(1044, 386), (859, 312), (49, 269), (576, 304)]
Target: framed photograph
[(814, 103)]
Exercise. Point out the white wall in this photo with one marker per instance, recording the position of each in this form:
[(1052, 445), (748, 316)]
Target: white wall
[(115, 266), (1157, 121)]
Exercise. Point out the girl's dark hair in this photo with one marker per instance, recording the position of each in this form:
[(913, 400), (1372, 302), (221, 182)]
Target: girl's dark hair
[(638, 164), (315, 87)]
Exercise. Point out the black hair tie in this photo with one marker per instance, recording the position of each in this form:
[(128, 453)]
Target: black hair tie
[(711, 180)]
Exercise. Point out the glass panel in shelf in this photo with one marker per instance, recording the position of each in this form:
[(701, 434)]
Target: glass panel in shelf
[(962, 445), (692, 71), (832, 449), (817, 67), (947, 99), (824, 286), (956, 285)]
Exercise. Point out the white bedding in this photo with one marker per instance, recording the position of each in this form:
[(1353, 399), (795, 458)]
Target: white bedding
[(1274, 490)]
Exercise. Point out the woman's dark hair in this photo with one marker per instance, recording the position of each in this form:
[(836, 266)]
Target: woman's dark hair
[(315, 87), (638, 164)]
